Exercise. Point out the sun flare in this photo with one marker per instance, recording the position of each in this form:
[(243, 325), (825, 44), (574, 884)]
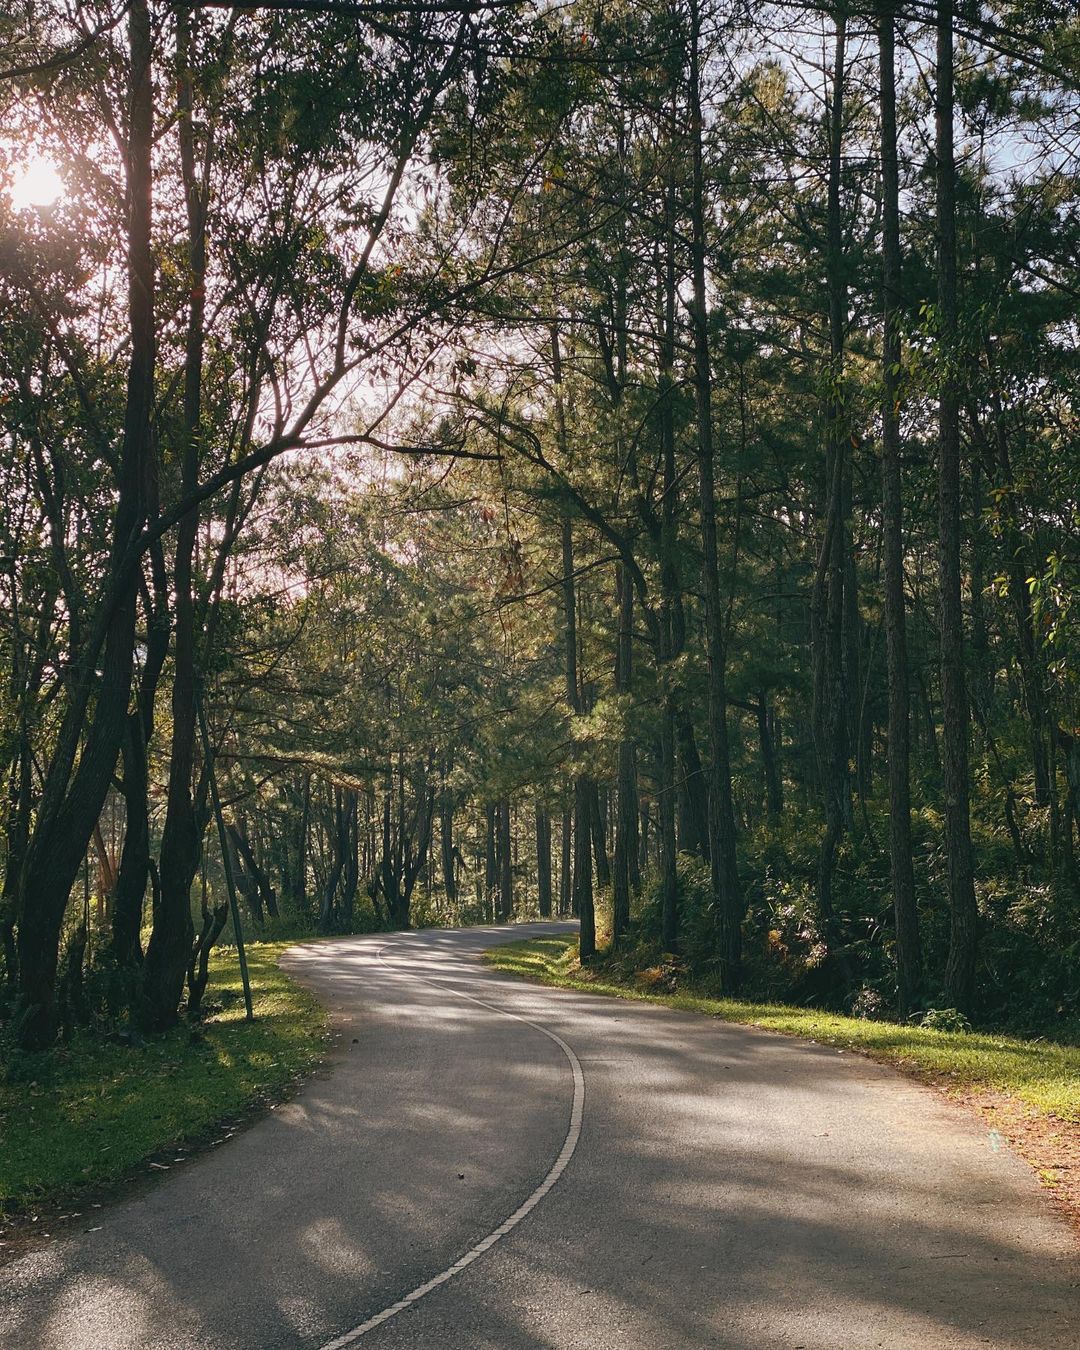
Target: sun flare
[(36, 184)]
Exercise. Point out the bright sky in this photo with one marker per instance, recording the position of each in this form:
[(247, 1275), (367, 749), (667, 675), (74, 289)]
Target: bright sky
[(36, 183)]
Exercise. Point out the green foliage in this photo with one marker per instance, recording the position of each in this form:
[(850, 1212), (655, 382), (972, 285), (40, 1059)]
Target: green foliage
[(945, 1019), (382, 641)]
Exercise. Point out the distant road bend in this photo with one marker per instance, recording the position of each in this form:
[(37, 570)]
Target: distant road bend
[(488, 1165)]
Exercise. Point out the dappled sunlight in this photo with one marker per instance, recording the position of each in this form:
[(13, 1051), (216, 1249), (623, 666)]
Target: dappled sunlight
[(327, 1245), (731, 1187)]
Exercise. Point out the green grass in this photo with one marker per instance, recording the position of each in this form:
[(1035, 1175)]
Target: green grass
[(1040, 1073), (87, 1113)]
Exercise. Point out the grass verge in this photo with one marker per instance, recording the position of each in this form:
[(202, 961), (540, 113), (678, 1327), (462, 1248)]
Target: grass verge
[(86, 1114), (1042, 1075)]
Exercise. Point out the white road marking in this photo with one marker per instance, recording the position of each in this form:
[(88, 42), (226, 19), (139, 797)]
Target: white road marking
[(558, 1167)]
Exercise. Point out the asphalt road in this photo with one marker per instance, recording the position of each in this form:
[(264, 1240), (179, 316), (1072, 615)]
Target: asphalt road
[(729, 1188)]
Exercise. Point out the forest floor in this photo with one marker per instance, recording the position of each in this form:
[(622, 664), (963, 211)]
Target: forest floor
[(95, 1113), (1028, 1092)]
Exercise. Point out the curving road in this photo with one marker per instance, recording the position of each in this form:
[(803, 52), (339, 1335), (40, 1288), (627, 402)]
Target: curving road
[(583, 1173)]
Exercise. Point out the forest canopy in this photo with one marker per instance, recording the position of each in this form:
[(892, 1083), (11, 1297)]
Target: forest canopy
[(465, 463)]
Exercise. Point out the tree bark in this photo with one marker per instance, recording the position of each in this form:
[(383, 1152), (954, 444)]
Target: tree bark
[(566, 879), (259, 879), (626, 825), (827, 606), (963, 934), (693, 785), (71, 801), (506, 863), (491, 869), (543, 861), (905, 913), (774, 787), (596, 821), (671, 624), (170, 942), (724, 869), (446, 847), (582, 882)]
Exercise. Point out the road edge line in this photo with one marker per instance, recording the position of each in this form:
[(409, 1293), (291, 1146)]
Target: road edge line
[(558, 1167)]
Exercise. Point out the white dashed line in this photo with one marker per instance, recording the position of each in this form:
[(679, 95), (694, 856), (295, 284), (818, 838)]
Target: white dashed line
[(558, 1167)]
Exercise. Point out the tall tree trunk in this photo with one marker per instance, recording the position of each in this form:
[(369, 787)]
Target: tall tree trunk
[(582, 884), (264, 899), (506, 862), (350, 879), (724, 869), (125, 943), (583, 871), (491, 868), (626, 828), (596, 821), (243, 882), (566, 873), (418, 847), (339, 843), (693, 785), (963, 935), (982, 674), (134, 872), (774, 787), (262, 855), (908, 946), (543, 861), (671, 625), (168, 950), (17, 837), (302, 828), (71, 800), (827, 606), (446, 847)]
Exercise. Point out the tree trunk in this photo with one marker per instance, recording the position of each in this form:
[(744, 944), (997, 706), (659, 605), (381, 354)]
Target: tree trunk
[(17, 837), (693, 786), (626, 840), (566, 887), (724, 869), (905, 913), (302, 828), (671, 625), (125, 942), (963, 935), (168, 950), (446, 847), (827, 607), (543, 861), (491, 870), (70, 801), (213, 922), (774, 788), (264, 892), (243, 881), (596, 821), (506, 863), (582, 884), (583, 861)]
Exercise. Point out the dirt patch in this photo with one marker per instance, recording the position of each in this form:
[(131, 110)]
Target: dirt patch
[(1051, 1146)]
